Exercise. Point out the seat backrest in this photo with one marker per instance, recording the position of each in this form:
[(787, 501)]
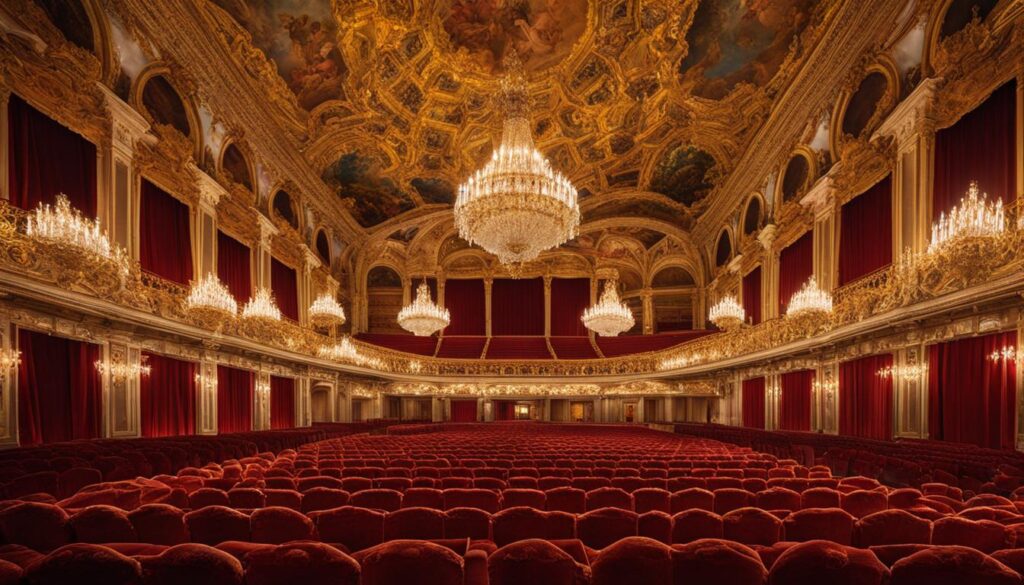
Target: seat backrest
[(633, 560), (408, 561), (600, 528), (952, 565), (414, 523), (533, 561)]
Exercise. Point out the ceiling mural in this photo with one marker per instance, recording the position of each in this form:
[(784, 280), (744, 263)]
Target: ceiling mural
[(684, 175), (372, 197)]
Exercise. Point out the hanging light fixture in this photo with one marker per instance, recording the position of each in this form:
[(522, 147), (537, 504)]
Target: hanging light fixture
[(609, 316), (423, 317), (809, 301), (210, 300), (517, 206), (262, 306), (123, 371), (974, 217), (9, 359), (326, 312), (727, 314)]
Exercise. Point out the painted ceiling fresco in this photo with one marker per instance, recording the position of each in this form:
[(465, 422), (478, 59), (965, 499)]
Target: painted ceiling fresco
[(628, 96)]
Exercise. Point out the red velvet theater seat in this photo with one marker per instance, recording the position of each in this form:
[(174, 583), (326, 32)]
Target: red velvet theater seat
[(820, 561), (752, 526), (85, 564), (692, 499), (512, 498), (523, 523), (414, 523), (832, 524), (952, 565), (694, 525), (633, 560), (648, 499), (718, 562), (215, 524), (377, 499), (323, 498), (304, 563), (566, 499), (159, 524), (355, 528), (401, 562), (101, 524), (192, 564), (892, 527), (537, 562), (600, 528), (41, 527), (609, 497), (276, 525), (984, 535), (423, 497), (470, 523), (485, 500), (10, 573), (655, 525)]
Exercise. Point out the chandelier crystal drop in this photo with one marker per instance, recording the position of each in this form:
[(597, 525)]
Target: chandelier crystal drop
[(262, 306), (809, 300), (727, 314), (517, 206), (65, 225), (326, 312), (210, 296), (609, 316), (423, 317), (974, 217)]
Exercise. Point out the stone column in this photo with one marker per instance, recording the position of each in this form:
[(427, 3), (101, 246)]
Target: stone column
[(304, 402), (669, 408), (773, 394), (910, 394), (117, 201), (822, 200), (121, 414), (261, 402), (1020, 147), (826, 398), (547, 409), (647, 297), (488, 285), (307, 294), (206, 403), (406, 290), (204, 226), (769, 274), (547, 305), (440, 290), (262, 253)]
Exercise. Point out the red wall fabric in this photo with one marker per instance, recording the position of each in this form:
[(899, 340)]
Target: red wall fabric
[(980, 147), (45, 159), (504, 410), (971, 398), (60, 392), (795, 401), (865, 232), (165, 235), (569, 298), (167, 397), (285, 286), (463, 410), (282, 402), (517, 306), (796, 266), (466, 303), (865, 398), (234, 399), (753, 403), (234, 266), (752, 296)]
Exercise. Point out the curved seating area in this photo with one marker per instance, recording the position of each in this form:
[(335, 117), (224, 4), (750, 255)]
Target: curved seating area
[(513, 503)]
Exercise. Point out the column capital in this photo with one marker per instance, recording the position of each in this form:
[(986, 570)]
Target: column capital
[(267, 230), (767, 236), (210, 191), (310, 261), (128, 126), (913, 115), (821, 198)]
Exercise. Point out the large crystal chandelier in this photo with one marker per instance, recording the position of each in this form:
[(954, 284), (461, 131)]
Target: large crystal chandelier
[(262, 306), (64, 225), (209, 298), (326, 312), (809, 301), (975, 217), (517, 206), (727, 314), (609, 316), (422, 317)]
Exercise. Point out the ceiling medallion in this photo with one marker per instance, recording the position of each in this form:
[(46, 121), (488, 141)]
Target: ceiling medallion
[(609, 316), (422, 317), (517, 206)]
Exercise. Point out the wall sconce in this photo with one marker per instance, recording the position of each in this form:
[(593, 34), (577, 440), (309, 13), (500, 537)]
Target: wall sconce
[(9, 359), (903, 372), (120, 371), (1006, 354), (828, 388)]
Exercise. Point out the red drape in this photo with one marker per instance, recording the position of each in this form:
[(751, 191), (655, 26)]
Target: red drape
[(466, 303), (282, 403), (463, 410), (285, 286), (504, 410), (60, 392), (795, 401), (517, 306), (753, 403), (165, 235), (980, 147), (796, 266), (752, 296), (865, 232), (865, 398), (234, 269), (569, 298), (45, 159), (971, 397), (234, 399), (167, 397)]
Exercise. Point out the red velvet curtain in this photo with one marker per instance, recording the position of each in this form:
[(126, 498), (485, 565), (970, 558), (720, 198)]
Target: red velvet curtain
[(234, 399), (865, 232), (234, 266), (167, 397), (466, 303), (45, 159), (285, 286), (569, 298), (753, 403), (971, 397), (504, 410), (980, 147), (165, 235), (752, 296), (517, 306), (796, 266), (865, 398), (795, 401), (282, 402), (60, 392), (463, 410)]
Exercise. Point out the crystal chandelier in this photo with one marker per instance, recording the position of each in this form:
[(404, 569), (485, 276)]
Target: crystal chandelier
[(517, 206), (809, 300), (122, 371), (262, 306), (9, 359), (975, 217), (346, 351), (1006, 354), (609, 316), (62, 224), (326, 312), (422, 317), (211, 298), (727, 314), (902, 372)]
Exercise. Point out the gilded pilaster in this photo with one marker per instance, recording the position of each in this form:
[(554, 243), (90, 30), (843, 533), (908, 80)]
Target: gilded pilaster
[(769, 274), (262, 253), (910, 393), (547, 305), (310, 262), (118, 189), (261, 402), (204, 225), (206, 404), (5, 97), (822, 200), (8, 387), (646, 296), (488, 286)]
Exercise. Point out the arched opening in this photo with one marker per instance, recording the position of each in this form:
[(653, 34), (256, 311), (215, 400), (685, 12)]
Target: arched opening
[(323, 247), (863, 104), (384, 297), (672, 300), (752, 217), (72, 20), (961, 12), (165, 105), (236, 166), (794, 180), (285, 209), (320, 403), (723, 250)]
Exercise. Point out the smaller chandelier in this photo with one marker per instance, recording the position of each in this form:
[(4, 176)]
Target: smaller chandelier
[(609, 316), (62, 224), (211, 298), (422, 317), (346, 351), (828, 388), (9, 359), (975, 217), (727, 314), (262, 306), (326, 312), (902, 372), (121, 371), (809, 300), (1006, 354)]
